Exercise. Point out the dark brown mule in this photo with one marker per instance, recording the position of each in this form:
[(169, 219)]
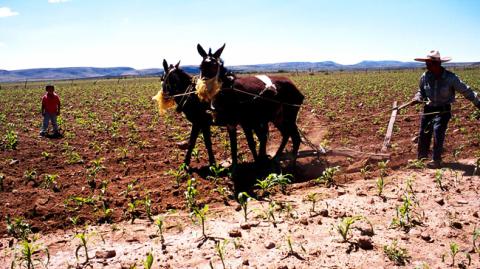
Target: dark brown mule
[(279, 106), (178, 84)]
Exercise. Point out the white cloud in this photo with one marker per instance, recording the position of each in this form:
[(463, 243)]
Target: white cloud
[(7, 12), (57, 1), (2, 44)]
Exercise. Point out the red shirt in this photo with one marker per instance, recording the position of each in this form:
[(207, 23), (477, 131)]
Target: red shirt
[(51, 103)]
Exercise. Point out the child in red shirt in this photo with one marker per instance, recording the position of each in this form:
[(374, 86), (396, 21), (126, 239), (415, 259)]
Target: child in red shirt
[(50, 110)]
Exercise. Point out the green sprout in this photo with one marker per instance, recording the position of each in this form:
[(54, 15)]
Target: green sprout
[(439, 178), (148, 207), (201, 215), (312, 197), (191, 194), (453, 251), (243, 199), (327, 177), (396, 254), (220, 248), (343, 227), (27, 250), (147, 264), (18, 228), (83, 244)]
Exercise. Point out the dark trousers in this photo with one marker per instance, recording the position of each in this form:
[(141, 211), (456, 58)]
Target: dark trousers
[(435, 124)]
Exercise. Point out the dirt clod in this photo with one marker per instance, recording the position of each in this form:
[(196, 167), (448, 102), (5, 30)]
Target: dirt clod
[(456, 225), (269, 245), (365, 243), (304, 221), (426, 236), (323, 213), (440, 201), (235, 233), (105, 254)]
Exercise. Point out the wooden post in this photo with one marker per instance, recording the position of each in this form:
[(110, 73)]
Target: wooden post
[(388, 136)]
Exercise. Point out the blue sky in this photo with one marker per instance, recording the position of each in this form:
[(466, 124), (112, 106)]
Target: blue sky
[(141, 33)]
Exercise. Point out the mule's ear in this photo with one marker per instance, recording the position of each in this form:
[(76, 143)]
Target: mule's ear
[(177, 65), (219, 52), (201, 51), (165, 65)]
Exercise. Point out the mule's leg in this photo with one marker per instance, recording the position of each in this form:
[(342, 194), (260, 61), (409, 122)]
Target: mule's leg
[(251, 143), (232, 133), (191, 142), (285, 135), (208, 144), (296, 140), (262, 134)]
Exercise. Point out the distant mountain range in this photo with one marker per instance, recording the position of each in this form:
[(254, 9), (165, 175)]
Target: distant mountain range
[(109, 72)]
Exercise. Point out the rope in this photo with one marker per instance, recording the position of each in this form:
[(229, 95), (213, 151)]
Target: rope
[(265, 98)]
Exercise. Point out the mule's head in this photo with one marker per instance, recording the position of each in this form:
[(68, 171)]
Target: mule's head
[(174, 79), (211, 63)]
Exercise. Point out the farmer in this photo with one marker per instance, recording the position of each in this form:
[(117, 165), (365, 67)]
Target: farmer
[(50, 110), (437, 90)]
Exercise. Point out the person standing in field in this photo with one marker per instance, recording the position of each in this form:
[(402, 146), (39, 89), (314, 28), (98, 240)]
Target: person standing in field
[(436, 90), (50, 110)]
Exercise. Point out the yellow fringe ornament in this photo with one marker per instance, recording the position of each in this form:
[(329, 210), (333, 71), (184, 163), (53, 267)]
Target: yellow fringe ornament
[(207, 89), (163, 103)]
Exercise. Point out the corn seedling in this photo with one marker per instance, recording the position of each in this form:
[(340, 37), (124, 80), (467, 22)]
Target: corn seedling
[(29, 176), (343, 227), (159, 223), (383, 168), (191, 194), (201, 215), (453, 251), (292, 252), (396, 254), (416, 164), (439, 178), (243, 199), (220, 248), (179, 174), (18, 228), (148, 207), (147, 264), (10, 140), (73, 158), (364, 171), (216, 171), (83, 244), (107, 212), (50, 182), (265, 185), (132, 209), (380, 186), (46, 155), (475, 236), (381, 181), (327, 177), (271, 213), (27, 250), (122, 153), (312, 197), (405, 218)]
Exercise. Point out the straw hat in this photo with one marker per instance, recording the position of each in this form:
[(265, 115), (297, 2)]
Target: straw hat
[(433, 55)]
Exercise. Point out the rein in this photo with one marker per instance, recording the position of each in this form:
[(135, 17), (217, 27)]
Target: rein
[(264, 98)]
